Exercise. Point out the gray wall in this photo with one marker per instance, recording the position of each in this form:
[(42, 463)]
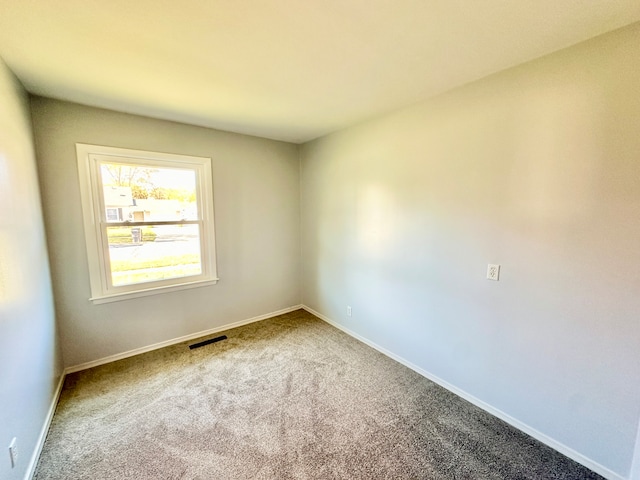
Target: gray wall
[(257, 230), (536, 168), (31, 366)]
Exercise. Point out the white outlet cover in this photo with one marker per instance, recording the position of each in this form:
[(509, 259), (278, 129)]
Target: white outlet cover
[(13, 452), (493, 271)]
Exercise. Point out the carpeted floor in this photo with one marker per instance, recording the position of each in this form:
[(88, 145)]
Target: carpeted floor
[(286, 398)]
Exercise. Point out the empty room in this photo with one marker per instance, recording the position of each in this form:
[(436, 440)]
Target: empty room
[(320, 240)]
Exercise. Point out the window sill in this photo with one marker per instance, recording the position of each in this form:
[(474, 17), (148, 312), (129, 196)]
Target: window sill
[(118, 297)]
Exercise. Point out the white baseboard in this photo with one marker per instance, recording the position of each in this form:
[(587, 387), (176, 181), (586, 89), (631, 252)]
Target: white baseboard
[(33, 462), (173, 341), (31, 469), (567, 451)]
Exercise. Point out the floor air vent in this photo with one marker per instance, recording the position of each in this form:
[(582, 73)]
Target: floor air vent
[(207, 342)]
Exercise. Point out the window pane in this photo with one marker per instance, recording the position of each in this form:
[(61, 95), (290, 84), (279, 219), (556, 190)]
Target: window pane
[(149, 254), (139, 193), (113, 215)]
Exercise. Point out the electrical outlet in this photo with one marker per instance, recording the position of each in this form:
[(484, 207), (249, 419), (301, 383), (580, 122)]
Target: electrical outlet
[(348, 311), (13, 452), (493, 272)]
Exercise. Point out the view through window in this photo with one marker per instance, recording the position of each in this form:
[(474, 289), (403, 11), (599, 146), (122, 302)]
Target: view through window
[(161, 202), (148, 219)]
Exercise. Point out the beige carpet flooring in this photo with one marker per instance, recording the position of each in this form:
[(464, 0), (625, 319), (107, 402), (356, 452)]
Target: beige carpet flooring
[(286, 398)]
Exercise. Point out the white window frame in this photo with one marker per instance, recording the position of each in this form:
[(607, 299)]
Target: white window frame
[(95, 222)]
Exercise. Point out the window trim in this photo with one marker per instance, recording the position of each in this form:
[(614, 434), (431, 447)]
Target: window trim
[(94, 219)]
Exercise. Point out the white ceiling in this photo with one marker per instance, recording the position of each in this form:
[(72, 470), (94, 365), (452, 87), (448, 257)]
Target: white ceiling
[(291, 70)]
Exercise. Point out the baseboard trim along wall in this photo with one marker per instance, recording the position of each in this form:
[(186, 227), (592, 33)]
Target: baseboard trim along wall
[(569, 452), (31, 469), (173, 341)]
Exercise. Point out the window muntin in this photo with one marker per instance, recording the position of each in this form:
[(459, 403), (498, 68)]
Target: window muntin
[(148, 221)]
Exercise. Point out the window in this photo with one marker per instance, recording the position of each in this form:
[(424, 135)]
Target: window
[(113, 214), (148, 221)]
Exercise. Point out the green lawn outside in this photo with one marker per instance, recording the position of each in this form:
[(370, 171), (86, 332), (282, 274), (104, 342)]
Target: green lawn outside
[(167, 261), (120, 235)]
